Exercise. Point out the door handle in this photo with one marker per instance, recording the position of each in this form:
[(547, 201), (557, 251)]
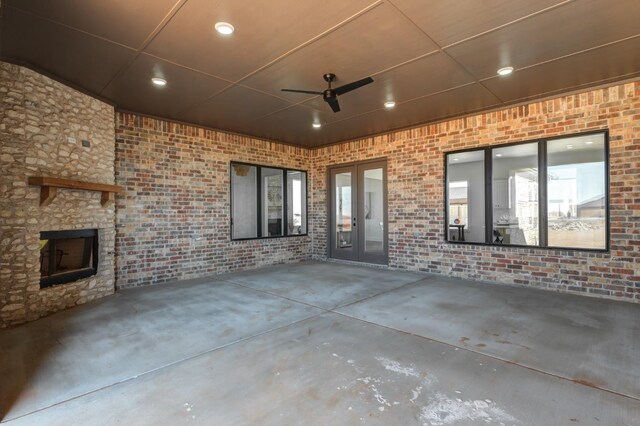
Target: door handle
[(354, 222)]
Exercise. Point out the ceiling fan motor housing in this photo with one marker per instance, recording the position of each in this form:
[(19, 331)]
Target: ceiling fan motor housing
[(328, 94)]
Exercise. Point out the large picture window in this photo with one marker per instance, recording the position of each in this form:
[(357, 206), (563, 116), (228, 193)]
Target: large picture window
[(547, 193), (267, 202)]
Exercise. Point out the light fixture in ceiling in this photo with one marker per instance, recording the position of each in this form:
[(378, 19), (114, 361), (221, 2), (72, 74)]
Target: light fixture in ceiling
[(569, 146), (498, 155), (389, 104), (505, 71), (316, 125), (589, 142), (160, 82), (456, 159), (224, 28)]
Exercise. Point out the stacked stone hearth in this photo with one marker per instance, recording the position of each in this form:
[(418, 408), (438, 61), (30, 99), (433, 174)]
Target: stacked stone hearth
[(42, 126)]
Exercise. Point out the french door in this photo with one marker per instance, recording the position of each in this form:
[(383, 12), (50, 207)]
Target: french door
[(358, 212)]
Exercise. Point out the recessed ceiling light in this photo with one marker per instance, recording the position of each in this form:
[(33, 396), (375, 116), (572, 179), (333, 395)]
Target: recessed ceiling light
[(455, 159), (569, 146), (589, 142), (316, 125), (389, 104), (160, 82), (505, 71), (498, 155), (224, 28)]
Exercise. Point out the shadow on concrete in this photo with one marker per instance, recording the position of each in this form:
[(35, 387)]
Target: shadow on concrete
[(24, 350)]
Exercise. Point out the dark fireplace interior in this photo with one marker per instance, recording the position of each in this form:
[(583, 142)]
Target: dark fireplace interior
[(67, 256)]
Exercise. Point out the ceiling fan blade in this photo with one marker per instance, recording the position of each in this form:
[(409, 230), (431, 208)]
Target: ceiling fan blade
[(333, 103), (310, 92), (352, 86)]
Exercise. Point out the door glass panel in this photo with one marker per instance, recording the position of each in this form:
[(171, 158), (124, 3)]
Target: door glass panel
[(343, 210), (374, 211)]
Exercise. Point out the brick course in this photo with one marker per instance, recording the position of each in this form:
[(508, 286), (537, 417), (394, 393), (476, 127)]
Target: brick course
[(416, 194)]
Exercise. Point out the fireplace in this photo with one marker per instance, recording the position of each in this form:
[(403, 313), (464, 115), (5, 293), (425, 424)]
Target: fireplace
[(67, 256)]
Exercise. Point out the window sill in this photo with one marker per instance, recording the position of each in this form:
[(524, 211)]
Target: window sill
[(517, 246), (276, 237)]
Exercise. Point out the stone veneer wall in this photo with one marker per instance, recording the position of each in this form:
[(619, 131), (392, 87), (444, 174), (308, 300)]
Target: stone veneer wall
[(416, 194), (37, 115), (174, 218)]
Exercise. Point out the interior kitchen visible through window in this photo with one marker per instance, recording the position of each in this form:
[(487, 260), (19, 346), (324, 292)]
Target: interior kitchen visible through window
[(466, 201), (568, 208)]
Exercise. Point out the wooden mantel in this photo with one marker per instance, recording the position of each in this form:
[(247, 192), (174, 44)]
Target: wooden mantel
[(49, 186)]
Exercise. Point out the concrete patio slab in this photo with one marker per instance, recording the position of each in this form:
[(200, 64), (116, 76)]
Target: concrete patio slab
[(265, 347), (323, 284), (591, 341), (98, 344), (335, 370)]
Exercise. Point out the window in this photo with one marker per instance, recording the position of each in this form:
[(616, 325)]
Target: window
[(515, 194), (567, 209), (576, 193), (267, 202), (465, 196), (297, 209), (244, 195), (273, 203)]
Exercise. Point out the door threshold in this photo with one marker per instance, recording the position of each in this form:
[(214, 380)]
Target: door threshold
[(356, 263)]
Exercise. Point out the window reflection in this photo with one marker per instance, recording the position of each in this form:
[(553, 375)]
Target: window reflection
[(576, 193)]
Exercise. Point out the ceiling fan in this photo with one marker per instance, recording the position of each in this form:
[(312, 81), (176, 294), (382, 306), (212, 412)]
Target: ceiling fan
[(330, 95)]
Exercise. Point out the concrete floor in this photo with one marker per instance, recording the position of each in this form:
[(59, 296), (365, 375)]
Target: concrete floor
[(326, 343)]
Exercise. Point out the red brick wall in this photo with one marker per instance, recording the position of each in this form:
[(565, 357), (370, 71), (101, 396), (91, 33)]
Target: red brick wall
[(416, 194), (176, 180), (177, 186)]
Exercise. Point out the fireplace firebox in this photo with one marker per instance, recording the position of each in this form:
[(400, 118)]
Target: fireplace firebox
[(67, 256)]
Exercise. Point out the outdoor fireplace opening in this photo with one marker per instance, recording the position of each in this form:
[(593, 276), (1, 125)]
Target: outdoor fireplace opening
[(67, 256)]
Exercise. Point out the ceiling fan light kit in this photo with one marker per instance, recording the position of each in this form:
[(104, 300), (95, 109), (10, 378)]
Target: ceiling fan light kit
[(330, 95)]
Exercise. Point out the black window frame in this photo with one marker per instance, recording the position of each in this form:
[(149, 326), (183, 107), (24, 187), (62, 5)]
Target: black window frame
[(285, 201), (542, 194)]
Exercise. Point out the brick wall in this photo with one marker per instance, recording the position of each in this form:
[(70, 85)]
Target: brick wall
[(416, 194), (37, 116), (173, 219)]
